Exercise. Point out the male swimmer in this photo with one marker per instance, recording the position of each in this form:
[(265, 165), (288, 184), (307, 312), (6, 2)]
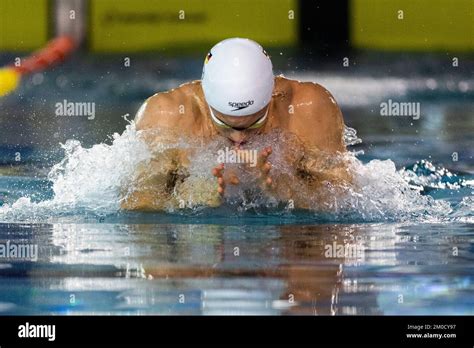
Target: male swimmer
[(237, 99)]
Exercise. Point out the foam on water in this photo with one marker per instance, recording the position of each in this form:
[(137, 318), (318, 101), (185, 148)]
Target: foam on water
[(92, 182), (86, 181)]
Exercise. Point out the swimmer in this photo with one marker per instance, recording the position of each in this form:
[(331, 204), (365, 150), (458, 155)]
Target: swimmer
[(238, 98)]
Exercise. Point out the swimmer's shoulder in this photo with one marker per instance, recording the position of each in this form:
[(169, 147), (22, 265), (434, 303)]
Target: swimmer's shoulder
[(309, 103), (169, 109), (305, 96)]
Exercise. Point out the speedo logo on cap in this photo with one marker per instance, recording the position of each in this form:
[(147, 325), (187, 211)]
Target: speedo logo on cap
[(240, 105)]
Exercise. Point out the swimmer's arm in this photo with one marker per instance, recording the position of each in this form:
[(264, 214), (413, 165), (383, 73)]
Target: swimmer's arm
[(164, 183), (158, 124), (152, 185), (153, 182), (324, 159), (324, 168), (318, 119)]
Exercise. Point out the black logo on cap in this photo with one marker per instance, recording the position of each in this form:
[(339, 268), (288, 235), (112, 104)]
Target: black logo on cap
[(241, 105)]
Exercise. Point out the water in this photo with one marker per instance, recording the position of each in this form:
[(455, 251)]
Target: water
[(400, 244), (124, 268)]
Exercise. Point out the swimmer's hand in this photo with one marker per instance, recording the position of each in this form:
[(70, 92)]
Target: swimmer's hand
[(264, 167), (218, 172)]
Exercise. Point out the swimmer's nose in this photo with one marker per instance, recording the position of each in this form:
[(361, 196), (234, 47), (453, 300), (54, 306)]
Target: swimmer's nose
[(237, 138)]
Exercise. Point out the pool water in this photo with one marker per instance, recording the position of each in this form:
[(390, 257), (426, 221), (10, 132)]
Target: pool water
[(404, 244), (193, 268)]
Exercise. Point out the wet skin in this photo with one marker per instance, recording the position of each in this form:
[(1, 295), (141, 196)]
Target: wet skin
[(304, 109)]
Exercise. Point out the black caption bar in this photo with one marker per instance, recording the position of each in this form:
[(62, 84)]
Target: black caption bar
[(291, 331)]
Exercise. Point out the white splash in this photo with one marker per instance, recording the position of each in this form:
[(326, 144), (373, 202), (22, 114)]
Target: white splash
[(90, 181), (86, 180)]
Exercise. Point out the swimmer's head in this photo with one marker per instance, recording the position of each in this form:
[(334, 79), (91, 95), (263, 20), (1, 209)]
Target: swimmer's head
[(237, 78)]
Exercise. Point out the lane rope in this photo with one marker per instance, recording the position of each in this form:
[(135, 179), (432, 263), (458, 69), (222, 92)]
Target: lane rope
[(55, 52)]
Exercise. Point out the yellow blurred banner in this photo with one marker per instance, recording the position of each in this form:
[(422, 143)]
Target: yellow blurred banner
[(23, 24), (412, 24), (141, 25)]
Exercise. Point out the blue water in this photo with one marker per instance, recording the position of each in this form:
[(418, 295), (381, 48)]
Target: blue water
[(407, 238)]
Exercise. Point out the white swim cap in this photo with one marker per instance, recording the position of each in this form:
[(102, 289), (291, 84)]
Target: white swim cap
[(237, 78)]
